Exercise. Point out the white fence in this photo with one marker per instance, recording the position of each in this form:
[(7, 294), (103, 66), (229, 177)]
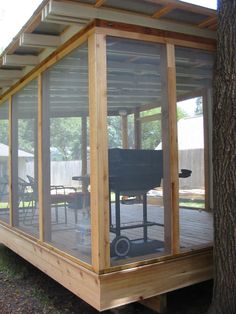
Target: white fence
[(63, 171)]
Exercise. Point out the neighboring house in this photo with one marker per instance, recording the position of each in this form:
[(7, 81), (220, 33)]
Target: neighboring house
[(23, 158)]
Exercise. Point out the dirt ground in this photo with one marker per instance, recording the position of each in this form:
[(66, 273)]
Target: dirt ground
[(25, 289)]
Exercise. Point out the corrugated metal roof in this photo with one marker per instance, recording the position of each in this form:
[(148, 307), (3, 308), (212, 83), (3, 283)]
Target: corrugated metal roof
[(76, 14)]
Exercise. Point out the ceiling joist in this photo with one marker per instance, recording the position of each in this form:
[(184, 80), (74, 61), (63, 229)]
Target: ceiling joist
[(208, 22), (99, 3), (163, 11), (39, 41), (71, 10), (5, 83), (19, 60), (10, 74), (51, 16), (189, 7)]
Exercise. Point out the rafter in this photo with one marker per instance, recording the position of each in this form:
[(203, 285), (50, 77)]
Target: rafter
[(37, 40), (163, 11), (10, 74), (99, 3), (5, 83), (185, 6), (208, 22), (19, 60), (76, 10)]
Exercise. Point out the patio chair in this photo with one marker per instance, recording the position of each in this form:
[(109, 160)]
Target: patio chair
[(4, 193), (59, 195), (27, 201)]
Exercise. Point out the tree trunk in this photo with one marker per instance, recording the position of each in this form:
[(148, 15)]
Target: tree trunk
[(224, 161)]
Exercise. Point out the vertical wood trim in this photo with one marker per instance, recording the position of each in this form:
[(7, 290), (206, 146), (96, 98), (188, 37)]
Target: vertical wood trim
[(10, 161), (14, 163), (99, 152), (40, 164), (45, 158), (168, 227), (124, 128), (174, 160), (137, 130), (84, 149)]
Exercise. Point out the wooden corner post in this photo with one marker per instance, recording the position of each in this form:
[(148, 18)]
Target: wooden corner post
[(99, 152), (40, 166), (10, 161), (170, 151)]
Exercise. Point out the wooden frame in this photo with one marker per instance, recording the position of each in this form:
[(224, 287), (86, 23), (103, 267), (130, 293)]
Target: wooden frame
[(99, 155), (10, 160), (105, 283), (40, 160)]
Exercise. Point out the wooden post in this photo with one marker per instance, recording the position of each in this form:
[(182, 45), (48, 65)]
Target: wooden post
[(124, 129), (170, 151), (84, 150), (44, 158), (14, 163), (99, 152), (40, 165), (157, 303), (10, 162), (137, 129)]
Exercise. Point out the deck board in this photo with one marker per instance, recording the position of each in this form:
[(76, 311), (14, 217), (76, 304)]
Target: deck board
[(196, 228)]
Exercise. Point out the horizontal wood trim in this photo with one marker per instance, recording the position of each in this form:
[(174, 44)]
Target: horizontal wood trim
[(79, 280), (139, 283), (150, 118), (155, 35)]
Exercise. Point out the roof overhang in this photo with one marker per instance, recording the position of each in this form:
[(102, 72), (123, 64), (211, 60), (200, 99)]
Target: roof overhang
[(56, 21)]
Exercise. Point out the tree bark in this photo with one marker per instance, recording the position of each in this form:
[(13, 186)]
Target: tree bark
[(224, 161)]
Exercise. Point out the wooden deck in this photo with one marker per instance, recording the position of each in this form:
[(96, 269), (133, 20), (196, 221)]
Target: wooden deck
[(196, 229)]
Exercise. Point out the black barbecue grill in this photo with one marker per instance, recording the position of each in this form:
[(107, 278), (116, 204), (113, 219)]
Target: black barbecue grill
[(134, 172)]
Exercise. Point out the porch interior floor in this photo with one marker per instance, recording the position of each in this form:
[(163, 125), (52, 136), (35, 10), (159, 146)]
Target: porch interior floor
[(196, 228)]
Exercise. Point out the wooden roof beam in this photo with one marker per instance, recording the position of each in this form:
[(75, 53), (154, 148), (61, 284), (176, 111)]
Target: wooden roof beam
[(213, 26), (61, 18), (185, 6), (39, 41), (86, 11), (10, 74), (99, 3), (208, 22), (5, 83), (163, 11), (20, 60)]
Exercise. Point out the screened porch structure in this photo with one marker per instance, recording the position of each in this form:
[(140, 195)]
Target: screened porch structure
[(110, 102)]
